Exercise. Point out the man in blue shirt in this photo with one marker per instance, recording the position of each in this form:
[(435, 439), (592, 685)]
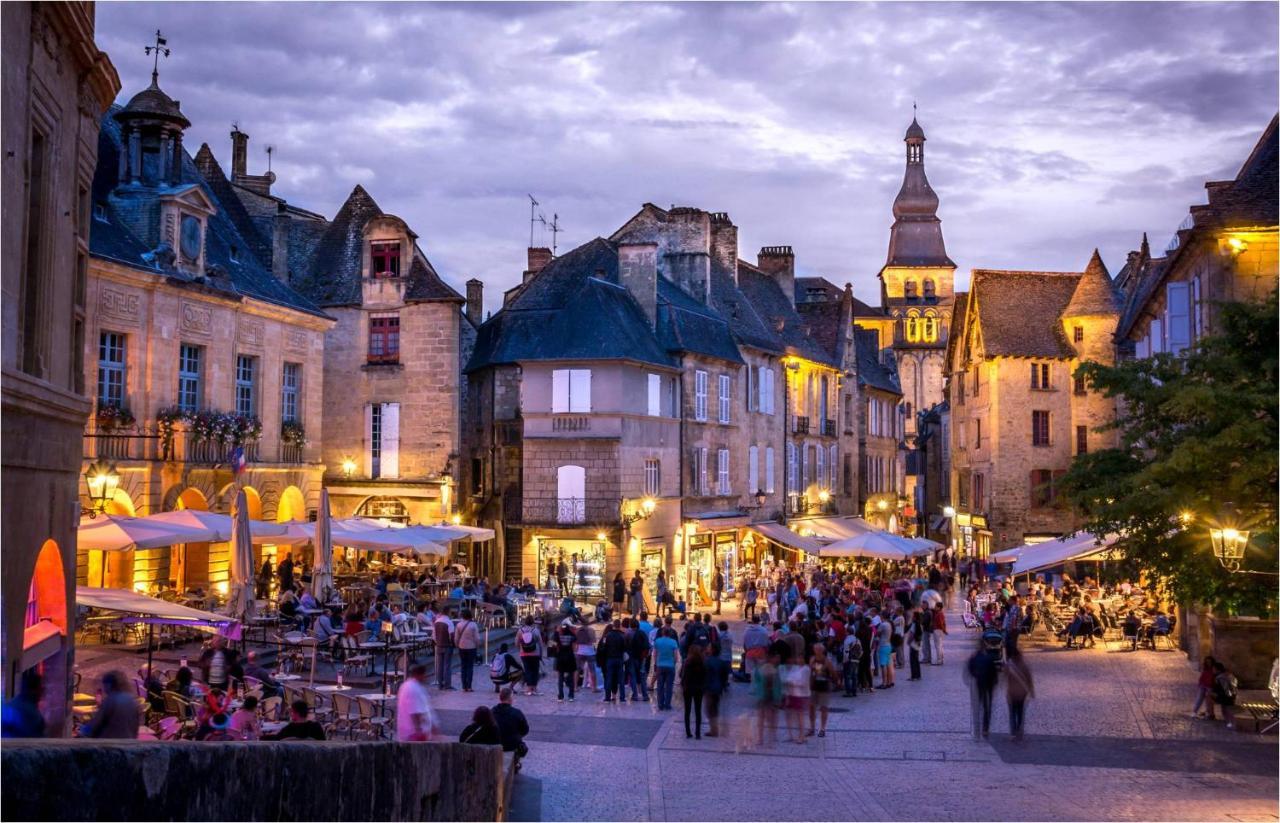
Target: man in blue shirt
[(666, 652)]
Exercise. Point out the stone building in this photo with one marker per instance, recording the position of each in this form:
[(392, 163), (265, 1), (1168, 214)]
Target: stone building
[(1226, 250), (392, 391), (194, 353), (932, 459), (691, 359), (1019, 414), (57, 84), (880, 437)]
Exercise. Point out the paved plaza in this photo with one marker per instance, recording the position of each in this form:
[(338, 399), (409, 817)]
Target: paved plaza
[(1109, 737)]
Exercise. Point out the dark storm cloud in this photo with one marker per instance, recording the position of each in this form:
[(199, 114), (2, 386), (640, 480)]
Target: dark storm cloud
[(1053, 128)]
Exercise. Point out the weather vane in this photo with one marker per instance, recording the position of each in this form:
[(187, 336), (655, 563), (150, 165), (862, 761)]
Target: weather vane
[(161, 47)]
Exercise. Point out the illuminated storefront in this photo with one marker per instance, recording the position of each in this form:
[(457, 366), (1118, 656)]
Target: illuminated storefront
[(585, 560)]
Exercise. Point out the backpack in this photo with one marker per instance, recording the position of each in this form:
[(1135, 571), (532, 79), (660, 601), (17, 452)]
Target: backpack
[(528, 641), (639, 645), (854, 651)]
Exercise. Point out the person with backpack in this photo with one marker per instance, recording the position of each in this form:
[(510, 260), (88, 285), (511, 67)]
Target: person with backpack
[(466, 638), (983, 676), (717, 685), (612, 654), (1204, 687), (851, 653), (1225, 690), (638, 648), (566, 662), (531, 648), (505, 669)]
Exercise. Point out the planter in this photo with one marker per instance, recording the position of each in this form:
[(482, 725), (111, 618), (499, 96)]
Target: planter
[(1246, 646)]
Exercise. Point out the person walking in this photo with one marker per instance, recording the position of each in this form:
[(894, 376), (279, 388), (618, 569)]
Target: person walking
[(983, 675), (915, 639), (443, 631), (638, 648), (1012, 623), (466, 637), (566, 661), (660, 592), (21, 715), (584, 649), (285, 572), (1018, 686), (766, 689), (415, 720), (635, 594), (935, 637), (693, 684), (717, 686), (562, 576), (1225, 689), (884, 651), (717, 587), (926, 626), (822, 678), (1204, 689), (755, 642), (867, 637), (796, 690), (530, 645)]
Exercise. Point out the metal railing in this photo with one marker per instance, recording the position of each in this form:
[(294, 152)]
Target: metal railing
[(138, 443), (570, 511), (800, 425), (829, 428), (291, 452)]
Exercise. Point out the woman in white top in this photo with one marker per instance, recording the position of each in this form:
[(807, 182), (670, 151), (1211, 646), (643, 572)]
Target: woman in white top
[(795, 696)]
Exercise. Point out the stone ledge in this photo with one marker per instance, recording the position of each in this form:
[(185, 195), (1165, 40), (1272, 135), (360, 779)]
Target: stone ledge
[(332, 780)]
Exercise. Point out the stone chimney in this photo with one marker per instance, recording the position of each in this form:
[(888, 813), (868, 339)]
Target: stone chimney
[(239, 153), (475, 301), (724, 243), (280, 244), (687, 261), (779, 262), (538, 259), (638, 274)]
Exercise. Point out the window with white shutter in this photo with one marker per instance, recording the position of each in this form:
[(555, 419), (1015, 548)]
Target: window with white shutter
[(724, 399), (1178, 316), (831, 469), (753, 469), (806, 463), (390, 440), (793, 469), (570, 390), (655, 395), (722, 472), (768, 470), (699, 395), (766, 390), (372, 415), (1197, 309), (821, 477), (753, 393), (1157, 336)]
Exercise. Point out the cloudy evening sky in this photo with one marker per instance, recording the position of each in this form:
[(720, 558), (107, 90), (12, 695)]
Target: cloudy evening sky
[(1051, 128)]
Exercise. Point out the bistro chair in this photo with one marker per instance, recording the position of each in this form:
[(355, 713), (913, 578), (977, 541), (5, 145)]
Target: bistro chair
[(346, 715), (370, 719), (355, 658)]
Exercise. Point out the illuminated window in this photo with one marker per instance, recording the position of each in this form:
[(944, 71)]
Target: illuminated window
[(913, 329), (929, 329)]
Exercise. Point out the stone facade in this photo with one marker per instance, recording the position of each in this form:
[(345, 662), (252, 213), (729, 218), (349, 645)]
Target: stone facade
[(56, 86), (1019, 416)]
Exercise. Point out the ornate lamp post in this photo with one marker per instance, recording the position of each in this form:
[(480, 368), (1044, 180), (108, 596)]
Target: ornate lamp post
[(1228, 546), (102, 480), (643, 512)]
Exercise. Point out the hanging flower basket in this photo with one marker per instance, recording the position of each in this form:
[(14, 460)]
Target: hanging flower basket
[(114, 417)]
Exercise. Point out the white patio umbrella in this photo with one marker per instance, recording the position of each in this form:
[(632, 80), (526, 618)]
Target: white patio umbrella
[(877, 545), (322, 567), (240, 603), (220, 524), (923, 546), (116, 533)]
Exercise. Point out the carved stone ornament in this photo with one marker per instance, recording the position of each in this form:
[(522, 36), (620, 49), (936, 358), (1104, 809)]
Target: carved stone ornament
[(197, 319)]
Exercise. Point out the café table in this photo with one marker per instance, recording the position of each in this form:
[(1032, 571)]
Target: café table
[(334, 687), (285, 677)]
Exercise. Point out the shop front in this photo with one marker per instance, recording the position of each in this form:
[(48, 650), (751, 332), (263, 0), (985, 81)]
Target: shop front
[(584, 562), (972, 537)]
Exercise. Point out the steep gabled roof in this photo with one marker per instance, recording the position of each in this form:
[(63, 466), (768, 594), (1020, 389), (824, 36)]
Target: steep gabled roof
[(1020, 312), (332, 276), (955, 340)]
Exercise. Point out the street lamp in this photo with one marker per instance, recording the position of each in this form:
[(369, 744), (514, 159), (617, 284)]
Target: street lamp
[(948, 511), (348, 467), (643, 512), (1228, 546), (102, 480)]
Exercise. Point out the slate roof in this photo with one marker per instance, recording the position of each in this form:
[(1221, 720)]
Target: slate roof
[(115, 235), (959, 313), (571, 310), (1020, 312), (781, 318), (872, 371)]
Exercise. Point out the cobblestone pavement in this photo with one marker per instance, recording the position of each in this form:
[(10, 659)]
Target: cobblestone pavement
[(1109, 737)]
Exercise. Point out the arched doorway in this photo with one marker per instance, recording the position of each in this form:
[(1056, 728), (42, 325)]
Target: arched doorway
[(189, 562), (44, 639), (292, 505), (111, 570), (387, 508)]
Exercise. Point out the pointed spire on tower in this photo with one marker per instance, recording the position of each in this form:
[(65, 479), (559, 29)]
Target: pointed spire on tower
[(1095, 292), (1145, 248), (916, 236)]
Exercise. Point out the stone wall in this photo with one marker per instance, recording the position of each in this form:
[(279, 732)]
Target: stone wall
[(1247, 647), (136, 780)]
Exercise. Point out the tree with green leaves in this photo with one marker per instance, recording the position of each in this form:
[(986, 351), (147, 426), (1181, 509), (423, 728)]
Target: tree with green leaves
[(1197, 446)]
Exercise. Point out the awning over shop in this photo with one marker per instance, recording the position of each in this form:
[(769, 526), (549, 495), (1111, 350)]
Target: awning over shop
[(262, 531), (924, 546), (715, 521), (370, 535), (938, 523), (785, 537), (474, 532), (1081, 546), (151, 609), (833, 528), (117, 533)]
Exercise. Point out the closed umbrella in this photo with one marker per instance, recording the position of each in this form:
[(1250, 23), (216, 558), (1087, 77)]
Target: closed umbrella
[(241, 604), (322, 567)]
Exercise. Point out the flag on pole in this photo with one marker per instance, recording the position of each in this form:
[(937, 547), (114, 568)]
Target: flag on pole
[(238, 461)]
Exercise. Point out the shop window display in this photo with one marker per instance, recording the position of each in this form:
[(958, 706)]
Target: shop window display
[(584, 561)]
